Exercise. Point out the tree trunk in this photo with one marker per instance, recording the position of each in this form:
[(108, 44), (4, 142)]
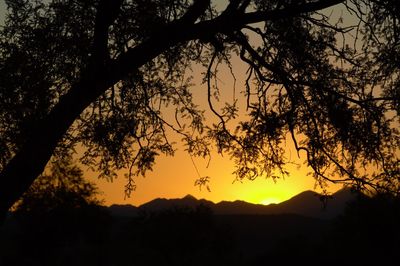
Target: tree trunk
[(33, 156), (31, 159)]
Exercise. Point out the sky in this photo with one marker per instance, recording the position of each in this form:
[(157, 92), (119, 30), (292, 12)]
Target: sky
[(174, 177)]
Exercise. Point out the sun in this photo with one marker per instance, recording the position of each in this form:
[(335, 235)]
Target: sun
[(269, 201)]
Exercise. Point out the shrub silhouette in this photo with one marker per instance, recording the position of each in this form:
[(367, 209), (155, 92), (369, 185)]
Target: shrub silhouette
[(59, 221), (368, 230)]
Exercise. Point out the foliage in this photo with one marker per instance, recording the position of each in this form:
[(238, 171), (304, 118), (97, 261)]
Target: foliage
[(62, 188), (368, 227), (57, 221), (116, 77)]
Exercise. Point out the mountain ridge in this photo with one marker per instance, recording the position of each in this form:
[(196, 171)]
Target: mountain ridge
[(307, 203)]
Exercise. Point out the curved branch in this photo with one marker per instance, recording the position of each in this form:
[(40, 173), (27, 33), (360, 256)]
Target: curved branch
[(32, 157), (290, 11)]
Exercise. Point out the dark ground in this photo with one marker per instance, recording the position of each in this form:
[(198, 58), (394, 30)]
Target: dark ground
[(367, 232)]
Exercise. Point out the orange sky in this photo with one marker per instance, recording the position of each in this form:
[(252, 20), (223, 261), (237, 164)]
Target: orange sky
[(174, 177)]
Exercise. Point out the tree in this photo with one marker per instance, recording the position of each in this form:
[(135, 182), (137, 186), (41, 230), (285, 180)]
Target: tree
[(367, 228), (62, 188), (57, 220), (104, 74)]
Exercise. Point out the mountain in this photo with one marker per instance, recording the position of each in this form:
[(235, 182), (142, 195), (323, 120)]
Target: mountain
[(161, 204), (307, 203), (125, 210)]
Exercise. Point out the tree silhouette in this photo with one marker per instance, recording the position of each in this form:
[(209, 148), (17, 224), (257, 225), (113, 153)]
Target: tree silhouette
[(368, 229), (63, 187), (105, 74), (58, 221)]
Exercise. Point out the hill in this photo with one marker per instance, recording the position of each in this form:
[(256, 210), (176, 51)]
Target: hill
[(307, 203)]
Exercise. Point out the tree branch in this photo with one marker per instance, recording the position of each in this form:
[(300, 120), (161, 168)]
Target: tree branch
[(195, 11), (31, 159), (290, 11), (107, 12)]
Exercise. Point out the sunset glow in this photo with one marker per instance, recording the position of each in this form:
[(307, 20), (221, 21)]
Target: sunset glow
[(174, 177), (269, 201)]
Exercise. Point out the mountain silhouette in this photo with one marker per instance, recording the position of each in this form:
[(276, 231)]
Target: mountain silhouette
[(123, 210), (310, 203), (307, 203)]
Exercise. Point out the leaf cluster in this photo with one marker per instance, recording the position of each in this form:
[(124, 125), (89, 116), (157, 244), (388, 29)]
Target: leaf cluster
[(328, 86)]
